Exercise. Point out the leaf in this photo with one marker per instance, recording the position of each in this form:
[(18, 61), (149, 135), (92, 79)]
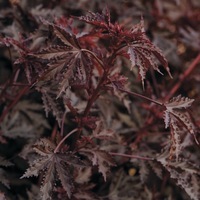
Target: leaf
[(55, 165), (186, 174), (47, 182), (176, 133), (147, 168), (143, 53), (4, 180), (124, 186), (179, 103), (82, 195), (190, 37), (178, 118), (24, 121), (84, 175), (4, 162), (64, 66), (103, 160), (97, 19), (30, 67), (101, 133), (177, 108), (144, 171), (2, 196), (67, 63), (65, 178), (100, 158), (50, 102)]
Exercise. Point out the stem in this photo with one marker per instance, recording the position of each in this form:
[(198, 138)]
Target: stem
[(141, 96), (130, 156), (183, 77), (155, 84), (95, 94), (19, 84), (22, 92), (60, 143), (63, 122)]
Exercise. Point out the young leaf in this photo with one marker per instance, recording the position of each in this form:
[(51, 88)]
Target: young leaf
[(99, 20), (143, 53)]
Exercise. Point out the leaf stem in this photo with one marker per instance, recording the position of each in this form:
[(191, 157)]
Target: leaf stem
[(97, 59), (183, 77), (141, 96), (22, 92), (95, 94), (130, 156), (60, 143), (63, 122)]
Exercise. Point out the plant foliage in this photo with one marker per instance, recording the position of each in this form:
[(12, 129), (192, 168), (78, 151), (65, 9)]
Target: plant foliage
[(76, 124)]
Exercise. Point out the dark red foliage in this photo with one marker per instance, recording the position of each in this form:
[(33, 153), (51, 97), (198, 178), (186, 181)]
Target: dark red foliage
[(73, 111)]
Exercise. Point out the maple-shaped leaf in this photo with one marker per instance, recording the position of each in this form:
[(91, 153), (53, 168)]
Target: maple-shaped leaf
[(55, 166), (100, 158), (67, 62), (143, 53)]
